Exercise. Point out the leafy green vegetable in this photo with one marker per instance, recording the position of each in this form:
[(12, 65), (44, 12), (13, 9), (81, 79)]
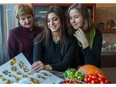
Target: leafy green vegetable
[(80, 76), (72, 74)]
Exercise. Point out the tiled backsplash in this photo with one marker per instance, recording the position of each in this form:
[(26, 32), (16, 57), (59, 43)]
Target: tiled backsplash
[(102, 15), (110, 42), (109, 38), (105, 13)]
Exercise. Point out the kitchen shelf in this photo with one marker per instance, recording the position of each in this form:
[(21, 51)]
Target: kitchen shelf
[(108, 30)]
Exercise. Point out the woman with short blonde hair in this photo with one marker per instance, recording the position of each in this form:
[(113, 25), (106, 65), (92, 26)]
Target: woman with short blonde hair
[(23, 9), (21, 37)]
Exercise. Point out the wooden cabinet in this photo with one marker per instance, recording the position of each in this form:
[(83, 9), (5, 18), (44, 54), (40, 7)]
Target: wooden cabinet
[(108, 59), (41, 9)]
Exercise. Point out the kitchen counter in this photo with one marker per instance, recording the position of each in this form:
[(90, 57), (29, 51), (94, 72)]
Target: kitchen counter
[(110, 73), (108, 58), (106, 52)]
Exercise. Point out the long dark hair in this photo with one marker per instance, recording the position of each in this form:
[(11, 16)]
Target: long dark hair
[(88, 23), (46, 34)]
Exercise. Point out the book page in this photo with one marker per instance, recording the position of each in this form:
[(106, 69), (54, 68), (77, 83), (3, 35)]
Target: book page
[(17, 70)]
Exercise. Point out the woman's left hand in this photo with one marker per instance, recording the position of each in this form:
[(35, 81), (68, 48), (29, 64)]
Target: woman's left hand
[(79, 34)]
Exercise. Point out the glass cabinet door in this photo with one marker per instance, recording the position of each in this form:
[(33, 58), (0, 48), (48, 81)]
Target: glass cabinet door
[(41, 9), (39, 13)]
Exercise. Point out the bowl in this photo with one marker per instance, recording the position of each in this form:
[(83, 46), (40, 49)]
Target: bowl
[(71, 82)]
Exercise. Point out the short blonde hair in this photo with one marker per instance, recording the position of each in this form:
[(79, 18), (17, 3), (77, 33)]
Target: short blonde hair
[(23, 9)]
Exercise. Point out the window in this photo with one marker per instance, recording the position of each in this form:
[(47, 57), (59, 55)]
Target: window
[(7, 22), (11, 20), (2, 34)]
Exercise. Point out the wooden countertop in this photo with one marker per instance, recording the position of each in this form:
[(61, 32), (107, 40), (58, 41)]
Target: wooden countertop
[(110, 73)]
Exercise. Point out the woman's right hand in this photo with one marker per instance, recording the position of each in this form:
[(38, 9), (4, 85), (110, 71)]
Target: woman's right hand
[(36, 66), (80, 35)]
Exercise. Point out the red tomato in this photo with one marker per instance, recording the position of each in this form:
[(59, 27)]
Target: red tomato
[(102, 82), (94, 77), (90, 75), (93, 82), (86, 76), (96, 74), (100, 75), (107, 81), (100, 79), (89, 79), (86, 80), (97, 81)]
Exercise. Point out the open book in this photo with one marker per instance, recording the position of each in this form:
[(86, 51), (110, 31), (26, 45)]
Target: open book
[(17, 70)]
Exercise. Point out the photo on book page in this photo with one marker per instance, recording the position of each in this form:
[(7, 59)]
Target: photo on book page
[(17, 71)]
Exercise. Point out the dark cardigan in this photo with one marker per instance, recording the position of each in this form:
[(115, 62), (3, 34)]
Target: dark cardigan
[(90, 56), (21, 40), (60, 60)]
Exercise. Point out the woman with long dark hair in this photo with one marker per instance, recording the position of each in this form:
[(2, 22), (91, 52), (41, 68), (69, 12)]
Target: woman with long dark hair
[(54, 49)]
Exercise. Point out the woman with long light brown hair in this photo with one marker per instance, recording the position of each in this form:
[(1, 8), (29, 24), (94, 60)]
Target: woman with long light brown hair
[(88, 37)]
